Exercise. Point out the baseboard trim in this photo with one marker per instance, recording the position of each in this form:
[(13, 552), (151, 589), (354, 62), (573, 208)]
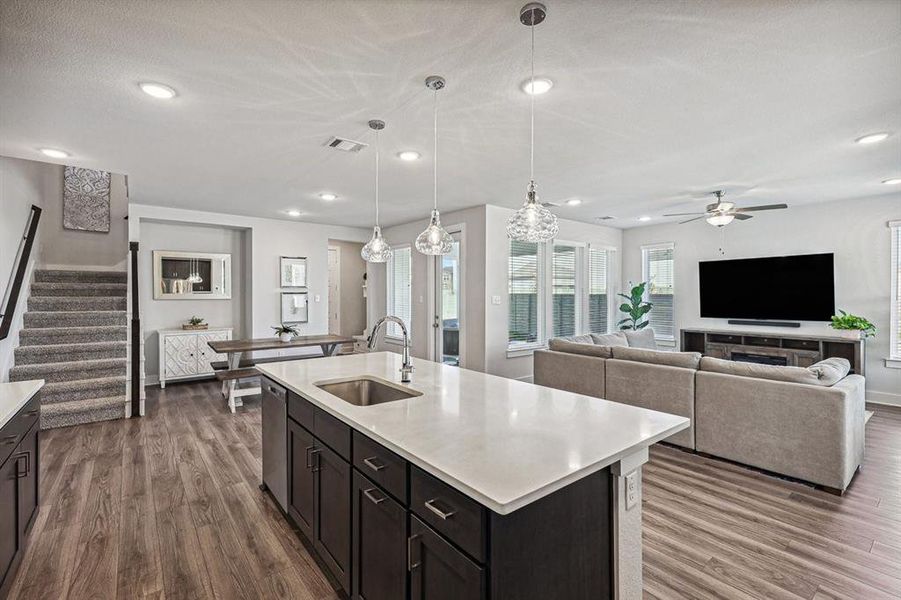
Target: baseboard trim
[(883, 398)]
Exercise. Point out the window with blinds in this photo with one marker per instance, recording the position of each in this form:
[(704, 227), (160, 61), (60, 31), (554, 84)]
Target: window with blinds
[(896, 290), (400, 301), (523, 285), (658, 268), (563, 290), (597, 291)]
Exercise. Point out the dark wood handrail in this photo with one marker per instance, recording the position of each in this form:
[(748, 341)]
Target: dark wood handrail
[(17, 276), (135, 333)]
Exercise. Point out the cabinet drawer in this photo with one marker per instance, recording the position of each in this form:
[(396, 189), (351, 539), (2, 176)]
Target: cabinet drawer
[(754, 340), (381, 466), (300, 410), (723, 338), (13, 432), (334, 433), (461, 519)]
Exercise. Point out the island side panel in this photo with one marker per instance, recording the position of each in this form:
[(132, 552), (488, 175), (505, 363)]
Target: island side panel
[(557, 547), (626, 522)]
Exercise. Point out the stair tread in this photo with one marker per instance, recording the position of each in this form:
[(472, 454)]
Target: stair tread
[(74, 328), (82, 405), (56, 386), (73, 285), (72, 312), (75, 346), (93, 363)]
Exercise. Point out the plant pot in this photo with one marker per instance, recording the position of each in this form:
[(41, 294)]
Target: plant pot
[(285, 337), (850, 334), (189, 327)]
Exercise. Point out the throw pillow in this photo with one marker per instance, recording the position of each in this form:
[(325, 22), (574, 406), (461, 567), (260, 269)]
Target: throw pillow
[(610, 339), (808, 376), (685, 360), (578, 339), (643, 338), (830, 371), (562, 345)]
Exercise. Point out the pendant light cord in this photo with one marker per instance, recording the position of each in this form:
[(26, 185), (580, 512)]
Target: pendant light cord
[(377, 177), (532, 108), (435, 154)]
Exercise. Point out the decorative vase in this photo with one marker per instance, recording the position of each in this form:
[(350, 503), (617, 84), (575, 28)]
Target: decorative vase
[(285, 337)]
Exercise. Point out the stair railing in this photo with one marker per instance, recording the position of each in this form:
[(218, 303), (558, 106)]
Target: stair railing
[(135, 407), (17, 275)]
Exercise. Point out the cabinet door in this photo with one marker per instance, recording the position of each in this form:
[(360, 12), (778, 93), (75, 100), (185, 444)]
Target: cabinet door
[(28, 484), (9, 530), (333, 512), (379, 543), (438, 571), (301, 488), (205, 354), (180, 355)]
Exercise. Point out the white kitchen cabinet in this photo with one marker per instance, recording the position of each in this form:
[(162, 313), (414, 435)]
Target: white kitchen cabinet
[(184, 354)]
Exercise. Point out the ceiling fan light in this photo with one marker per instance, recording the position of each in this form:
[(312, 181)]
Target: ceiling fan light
[(720, 220)]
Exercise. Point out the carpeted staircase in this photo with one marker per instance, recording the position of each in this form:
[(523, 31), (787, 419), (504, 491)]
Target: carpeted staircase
[(75, 338)]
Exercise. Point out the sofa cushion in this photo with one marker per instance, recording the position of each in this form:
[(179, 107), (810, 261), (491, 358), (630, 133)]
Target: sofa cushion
[(578, 339), (617, 338), (564, 345), (818, 374), (643, 338), (686, 360)]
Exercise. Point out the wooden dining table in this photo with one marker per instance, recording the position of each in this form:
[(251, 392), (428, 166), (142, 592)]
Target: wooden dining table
[(235, 349)]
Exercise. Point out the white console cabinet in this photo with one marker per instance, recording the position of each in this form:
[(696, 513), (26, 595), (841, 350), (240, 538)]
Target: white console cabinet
[(184, 354)]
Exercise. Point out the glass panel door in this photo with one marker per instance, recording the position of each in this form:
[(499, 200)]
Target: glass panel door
[(448, 305)]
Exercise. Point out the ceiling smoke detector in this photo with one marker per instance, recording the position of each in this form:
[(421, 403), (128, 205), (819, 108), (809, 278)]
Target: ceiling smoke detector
[(345, 145)]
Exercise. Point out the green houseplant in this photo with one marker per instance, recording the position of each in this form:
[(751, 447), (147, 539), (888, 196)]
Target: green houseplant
[(857, 326), (194, 322), (635, 308), (285, 332)]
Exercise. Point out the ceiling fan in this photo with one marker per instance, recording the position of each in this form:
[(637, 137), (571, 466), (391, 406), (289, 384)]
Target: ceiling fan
[(722, 213)]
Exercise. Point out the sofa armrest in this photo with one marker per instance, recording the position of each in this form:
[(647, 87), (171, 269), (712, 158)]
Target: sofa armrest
[(575, 373)]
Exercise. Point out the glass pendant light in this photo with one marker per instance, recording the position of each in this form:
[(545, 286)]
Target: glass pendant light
[(376, 249), (532, 222), (435, 240)]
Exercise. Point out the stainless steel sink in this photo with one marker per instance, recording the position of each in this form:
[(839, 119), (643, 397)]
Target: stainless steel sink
[(367, 391)]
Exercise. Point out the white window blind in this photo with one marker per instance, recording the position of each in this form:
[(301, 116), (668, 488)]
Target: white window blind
[(895, 346), (523, 285), (563, 290), (658, 269), (400, 301), (597, 290)]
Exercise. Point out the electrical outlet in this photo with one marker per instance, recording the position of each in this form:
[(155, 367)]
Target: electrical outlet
[(316, 298), (631, 490)]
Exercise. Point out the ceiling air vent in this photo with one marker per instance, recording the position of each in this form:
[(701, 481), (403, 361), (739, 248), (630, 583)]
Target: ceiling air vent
[(604, 218), (345, 145)]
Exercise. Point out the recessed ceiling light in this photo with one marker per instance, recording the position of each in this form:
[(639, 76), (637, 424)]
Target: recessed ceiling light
[(872, 138), (54, 153), (328, 196), (409, 155), (893, 181), (293, 213), (574, 202), (644, 218), (157, 90), (542, 85)]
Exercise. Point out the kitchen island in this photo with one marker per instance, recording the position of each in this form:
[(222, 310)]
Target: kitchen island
[(474, 486)]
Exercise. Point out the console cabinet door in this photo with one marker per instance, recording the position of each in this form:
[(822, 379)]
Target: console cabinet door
[(9, 529), (28, 482), (438, 571), (301, 484), (333, 515), (380, 543)]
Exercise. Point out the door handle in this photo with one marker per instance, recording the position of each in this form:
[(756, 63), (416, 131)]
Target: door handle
[(430, 504), (9, 440), (436, 324), (30, 413), (372, 497), (309, 458), (370, 462), (21, 474), (317, 465), (410, 564)]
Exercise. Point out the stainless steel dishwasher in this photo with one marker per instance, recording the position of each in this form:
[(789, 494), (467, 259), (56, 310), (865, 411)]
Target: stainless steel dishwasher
[(275, 449)]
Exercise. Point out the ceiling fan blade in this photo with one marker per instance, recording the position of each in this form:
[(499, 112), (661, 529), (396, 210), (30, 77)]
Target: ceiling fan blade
[(684, 214), (762, 207), (695, 219), (742, 217)]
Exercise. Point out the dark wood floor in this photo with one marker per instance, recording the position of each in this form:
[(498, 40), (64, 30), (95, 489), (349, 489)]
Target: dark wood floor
[(168, 507)]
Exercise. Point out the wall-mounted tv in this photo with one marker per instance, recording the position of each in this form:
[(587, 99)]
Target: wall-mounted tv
[(797, 288)]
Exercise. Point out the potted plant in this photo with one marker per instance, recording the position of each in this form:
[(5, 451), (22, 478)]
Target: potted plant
[(195, 323), (852, 326), (635, 307), (286, 333)]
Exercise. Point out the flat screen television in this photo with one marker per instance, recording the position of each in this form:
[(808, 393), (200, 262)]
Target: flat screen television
[(796, 288)]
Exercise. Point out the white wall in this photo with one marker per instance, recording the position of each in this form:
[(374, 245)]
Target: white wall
[(855, 231), (265, 241), (352, 304), (497, 254), (169, 314)]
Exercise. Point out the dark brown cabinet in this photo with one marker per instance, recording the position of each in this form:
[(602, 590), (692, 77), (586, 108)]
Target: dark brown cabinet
[(438, 571), (301, 483), (9, 518), (28, 481), (380, 543), (332, 485)]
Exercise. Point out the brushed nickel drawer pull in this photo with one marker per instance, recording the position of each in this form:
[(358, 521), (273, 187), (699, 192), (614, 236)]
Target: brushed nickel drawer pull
[(9, 440), (368, 493), (30, 413), (410, 564), (430, 504), (370, 462)]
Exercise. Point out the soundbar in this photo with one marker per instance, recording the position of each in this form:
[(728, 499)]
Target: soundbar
[(764, 323)]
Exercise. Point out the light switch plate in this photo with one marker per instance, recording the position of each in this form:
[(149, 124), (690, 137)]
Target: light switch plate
[(316, 298), (496, 300)]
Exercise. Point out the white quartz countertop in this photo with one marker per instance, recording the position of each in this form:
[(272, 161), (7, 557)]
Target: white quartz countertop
[(502, 442), (15, 395)]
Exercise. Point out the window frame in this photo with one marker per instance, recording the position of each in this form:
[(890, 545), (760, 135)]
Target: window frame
[(524, 348), (893, 361), (662, 340), (389, 299), (610, 286), (581, 295)]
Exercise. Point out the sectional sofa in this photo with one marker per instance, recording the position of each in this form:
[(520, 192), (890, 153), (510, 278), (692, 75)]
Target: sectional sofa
[(806, 423)]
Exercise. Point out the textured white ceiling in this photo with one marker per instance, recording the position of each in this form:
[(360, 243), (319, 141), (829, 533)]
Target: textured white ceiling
[(654, 101)]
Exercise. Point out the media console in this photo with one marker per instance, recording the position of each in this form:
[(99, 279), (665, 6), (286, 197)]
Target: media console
[(794, 350)]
